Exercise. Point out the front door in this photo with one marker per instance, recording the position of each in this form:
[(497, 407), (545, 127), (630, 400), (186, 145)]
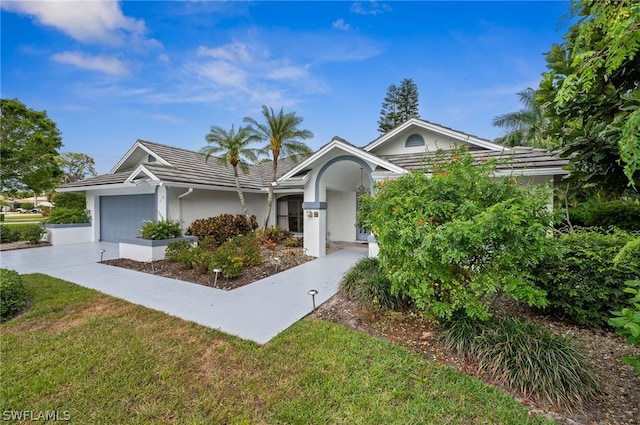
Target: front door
[(361, 233)]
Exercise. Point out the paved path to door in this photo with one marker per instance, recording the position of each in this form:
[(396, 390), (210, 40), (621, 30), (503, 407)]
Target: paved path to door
[(257, 312)]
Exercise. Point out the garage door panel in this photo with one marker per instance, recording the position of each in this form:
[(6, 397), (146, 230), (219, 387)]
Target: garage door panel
[(123, 216)]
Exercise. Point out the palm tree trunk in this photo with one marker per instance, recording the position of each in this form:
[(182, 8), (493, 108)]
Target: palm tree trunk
[(270, 196), (241, 196)]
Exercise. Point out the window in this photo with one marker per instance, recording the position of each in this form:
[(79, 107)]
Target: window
[(151, 158), (290, 213), (414, 140)]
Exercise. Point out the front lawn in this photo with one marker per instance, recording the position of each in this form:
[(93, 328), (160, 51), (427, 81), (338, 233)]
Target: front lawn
[(23, 218), (105, 360)]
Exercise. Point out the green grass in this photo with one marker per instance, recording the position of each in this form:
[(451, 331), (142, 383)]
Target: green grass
[(108, 361), (22, 218)]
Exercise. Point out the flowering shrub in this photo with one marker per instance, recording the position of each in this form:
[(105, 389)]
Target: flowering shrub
[(456, 239), (161, 229)]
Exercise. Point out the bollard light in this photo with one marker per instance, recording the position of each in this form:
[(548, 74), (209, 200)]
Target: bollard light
[(216, 271), (313, 294), (153, 267), (102, 251), (277, 260)]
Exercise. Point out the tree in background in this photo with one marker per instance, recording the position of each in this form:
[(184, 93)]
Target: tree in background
[(76, 166), (233, 149), (29, 143), (400, 104), (592, 94), (283, 137), (525, 127)]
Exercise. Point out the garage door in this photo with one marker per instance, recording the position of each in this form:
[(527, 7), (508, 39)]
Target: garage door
[(123, 216)]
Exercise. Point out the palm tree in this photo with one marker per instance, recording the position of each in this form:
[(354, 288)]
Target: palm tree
[(283, 137), (525, 127), (234, 150)]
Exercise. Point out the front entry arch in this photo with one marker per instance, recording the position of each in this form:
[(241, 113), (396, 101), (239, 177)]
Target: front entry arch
[(341, 198)]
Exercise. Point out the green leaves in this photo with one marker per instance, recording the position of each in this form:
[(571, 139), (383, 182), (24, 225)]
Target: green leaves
[(591, 94), (627, 321), (29, 148), (455, 239)]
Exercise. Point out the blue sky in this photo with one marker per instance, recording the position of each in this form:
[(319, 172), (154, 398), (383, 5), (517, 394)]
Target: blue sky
[(109, 72)]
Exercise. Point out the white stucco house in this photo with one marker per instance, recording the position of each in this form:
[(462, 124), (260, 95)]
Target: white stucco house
[(317, 197)]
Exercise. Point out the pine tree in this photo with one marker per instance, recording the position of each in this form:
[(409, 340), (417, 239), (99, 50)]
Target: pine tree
[(400, 104)]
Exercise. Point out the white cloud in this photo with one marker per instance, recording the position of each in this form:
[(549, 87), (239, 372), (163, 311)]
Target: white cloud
[(369, 8), (235, 51), (108, 65), (340, 24), (86, 21), (288, 73)]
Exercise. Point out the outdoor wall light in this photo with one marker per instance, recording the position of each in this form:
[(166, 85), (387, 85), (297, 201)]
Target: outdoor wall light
[(313, 294), (309, 213), (215, 280), (102, 251)]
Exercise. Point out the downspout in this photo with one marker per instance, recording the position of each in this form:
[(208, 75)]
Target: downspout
[(188, 192)]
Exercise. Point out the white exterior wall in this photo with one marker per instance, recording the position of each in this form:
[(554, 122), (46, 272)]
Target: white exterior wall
[(433, 142), (206, 203), (341, 216)]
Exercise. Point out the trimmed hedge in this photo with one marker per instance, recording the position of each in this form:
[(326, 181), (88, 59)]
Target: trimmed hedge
[(64, 215), (70, 200), (624, 215), (13, 295), (581, 278)]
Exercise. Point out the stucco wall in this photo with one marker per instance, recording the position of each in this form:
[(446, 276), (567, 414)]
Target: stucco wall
[(205, 203), (433, 142)]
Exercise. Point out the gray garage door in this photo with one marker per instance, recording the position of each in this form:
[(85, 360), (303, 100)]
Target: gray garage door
[(123, 216)]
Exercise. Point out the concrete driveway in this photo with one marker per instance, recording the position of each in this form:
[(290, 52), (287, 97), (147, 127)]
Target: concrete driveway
[(257, 312)]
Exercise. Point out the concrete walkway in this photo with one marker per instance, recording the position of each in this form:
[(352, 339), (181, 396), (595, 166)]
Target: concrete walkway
[(257, 312)]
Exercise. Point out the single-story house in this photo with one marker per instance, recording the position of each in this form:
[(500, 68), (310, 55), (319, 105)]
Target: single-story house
[(317, 197)]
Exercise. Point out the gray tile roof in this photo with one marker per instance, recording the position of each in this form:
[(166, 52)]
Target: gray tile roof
[(192, 168), (518, 158)]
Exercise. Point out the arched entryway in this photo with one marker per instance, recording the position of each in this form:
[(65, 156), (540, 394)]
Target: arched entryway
[(332, 200)]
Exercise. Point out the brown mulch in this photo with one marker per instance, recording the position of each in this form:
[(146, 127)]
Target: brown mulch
[(620, 400), (273, 261), (8, 246)]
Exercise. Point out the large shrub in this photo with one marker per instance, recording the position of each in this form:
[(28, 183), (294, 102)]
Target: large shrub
[(524, 357), (71, 200), (64, 215), (581, 278), (13, 296), (222, 228), (457, 238)]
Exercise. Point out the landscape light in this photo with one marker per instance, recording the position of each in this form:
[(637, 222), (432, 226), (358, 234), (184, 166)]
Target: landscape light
[(313, 294)]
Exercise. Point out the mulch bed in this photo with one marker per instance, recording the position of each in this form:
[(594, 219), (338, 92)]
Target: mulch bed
[(8, 246), (274, 261)]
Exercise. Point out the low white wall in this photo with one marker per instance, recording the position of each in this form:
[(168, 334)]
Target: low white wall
[(65, 234), (147, 250)]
